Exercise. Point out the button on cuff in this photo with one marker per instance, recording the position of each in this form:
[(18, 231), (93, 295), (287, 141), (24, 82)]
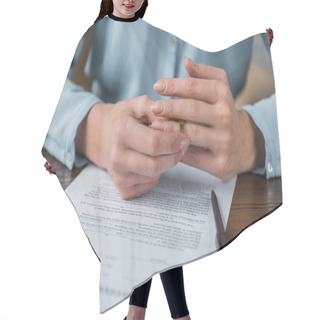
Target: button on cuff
[(69, 156), (270, 167)]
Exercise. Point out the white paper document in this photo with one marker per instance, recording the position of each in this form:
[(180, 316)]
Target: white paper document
[(169, 226)]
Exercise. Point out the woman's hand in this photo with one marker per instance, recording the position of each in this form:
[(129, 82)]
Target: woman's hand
[(224, 141), (116, 137)]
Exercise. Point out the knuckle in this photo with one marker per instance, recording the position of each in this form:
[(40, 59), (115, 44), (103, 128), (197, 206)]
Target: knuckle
[(189, 85), (193, 110), (141, 103), (167, 107), (145, 99), (192, 130)]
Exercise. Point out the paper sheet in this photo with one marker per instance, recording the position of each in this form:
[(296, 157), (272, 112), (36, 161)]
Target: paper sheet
[(169, 226)]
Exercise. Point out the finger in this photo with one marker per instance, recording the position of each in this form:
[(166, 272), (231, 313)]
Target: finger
[(203, 71), (129, 179), (198, 135), (145, 165), (186, 109), (140, 107), (136, 190), (198, 158), (154, 143), (198, 89), (206, 160)]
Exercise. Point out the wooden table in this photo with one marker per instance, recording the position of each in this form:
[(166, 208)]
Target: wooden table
[(254, 197)]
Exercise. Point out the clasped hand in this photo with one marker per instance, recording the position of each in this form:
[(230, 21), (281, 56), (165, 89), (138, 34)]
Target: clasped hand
[(222, 138), (117, 137)]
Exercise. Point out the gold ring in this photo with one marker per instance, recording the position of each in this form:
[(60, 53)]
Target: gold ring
[(181, 123)]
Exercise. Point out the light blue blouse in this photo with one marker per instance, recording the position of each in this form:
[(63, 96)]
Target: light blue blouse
[(126, 59)]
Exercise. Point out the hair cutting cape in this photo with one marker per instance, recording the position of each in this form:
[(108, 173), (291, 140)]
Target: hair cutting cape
[(190, 214)]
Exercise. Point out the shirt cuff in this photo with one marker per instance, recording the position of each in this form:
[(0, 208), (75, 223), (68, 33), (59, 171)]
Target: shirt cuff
[(63, 149), (264, 114)]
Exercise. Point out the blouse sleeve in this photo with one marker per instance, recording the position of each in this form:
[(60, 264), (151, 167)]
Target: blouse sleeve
[(73, 106)]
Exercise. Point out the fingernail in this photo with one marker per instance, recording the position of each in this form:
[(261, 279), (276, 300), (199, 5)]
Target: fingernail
[(157, 108), (190, 61), (160, 86), (157, 125), (184, 144)]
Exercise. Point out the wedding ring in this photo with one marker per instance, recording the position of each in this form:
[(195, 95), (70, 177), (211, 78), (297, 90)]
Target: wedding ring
[(181, 123)]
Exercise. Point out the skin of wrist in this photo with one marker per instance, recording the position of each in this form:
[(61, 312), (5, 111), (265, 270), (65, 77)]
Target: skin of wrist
[(253, 154), (88, 138)]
